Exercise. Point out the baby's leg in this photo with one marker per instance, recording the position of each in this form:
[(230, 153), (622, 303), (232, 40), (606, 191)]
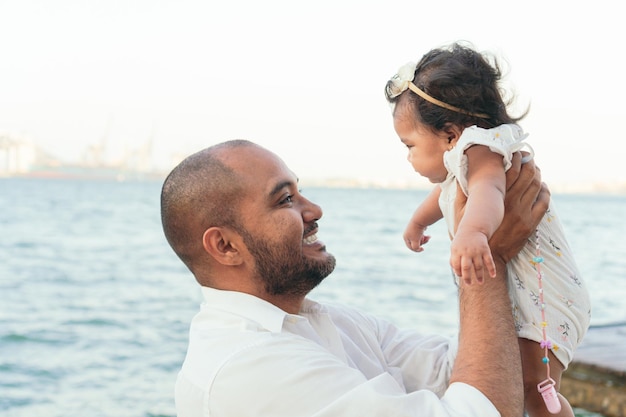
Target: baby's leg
[(535, 372)]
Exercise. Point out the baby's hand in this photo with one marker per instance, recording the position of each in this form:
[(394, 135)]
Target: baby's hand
[(414, 237), (471, 257)]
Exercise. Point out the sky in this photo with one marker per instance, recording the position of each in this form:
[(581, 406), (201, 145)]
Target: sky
[(304, 79)]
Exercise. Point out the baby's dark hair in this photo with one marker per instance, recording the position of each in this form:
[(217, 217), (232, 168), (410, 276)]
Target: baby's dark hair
[(464, 78)]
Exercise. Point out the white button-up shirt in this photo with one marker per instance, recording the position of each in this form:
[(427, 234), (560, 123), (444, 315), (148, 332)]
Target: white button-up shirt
[(247, 357)]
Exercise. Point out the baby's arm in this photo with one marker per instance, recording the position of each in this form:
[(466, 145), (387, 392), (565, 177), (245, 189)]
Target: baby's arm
[(470, 253), (425, 215)]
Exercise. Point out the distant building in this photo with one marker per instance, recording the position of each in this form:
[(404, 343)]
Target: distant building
[(20, 157), (17, 156)]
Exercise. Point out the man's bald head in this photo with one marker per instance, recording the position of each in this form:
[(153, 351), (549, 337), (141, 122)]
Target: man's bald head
[(201, 192)]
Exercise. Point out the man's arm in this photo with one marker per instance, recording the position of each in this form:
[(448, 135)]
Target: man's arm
[(488, 357)]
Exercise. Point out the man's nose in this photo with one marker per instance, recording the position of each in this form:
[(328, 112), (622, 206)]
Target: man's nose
[(311, 211)]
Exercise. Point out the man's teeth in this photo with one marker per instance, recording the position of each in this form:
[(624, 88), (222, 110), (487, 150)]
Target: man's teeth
[(310, 239)]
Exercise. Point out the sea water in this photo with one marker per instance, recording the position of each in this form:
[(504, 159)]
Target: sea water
[(95, 307)]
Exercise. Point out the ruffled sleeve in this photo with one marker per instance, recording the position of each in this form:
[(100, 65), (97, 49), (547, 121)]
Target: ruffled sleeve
[(505, 140)]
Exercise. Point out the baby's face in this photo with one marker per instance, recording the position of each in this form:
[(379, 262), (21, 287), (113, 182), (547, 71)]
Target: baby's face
[(426, 148)]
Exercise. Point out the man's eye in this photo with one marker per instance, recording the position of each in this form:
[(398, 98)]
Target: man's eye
[(287, 200)]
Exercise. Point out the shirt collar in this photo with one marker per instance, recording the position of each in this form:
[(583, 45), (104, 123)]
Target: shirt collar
[(254, 308)]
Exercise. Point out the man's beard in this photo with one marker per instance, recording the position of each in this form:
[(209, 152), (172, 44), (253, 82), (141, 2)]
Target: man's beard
[(285, 271)]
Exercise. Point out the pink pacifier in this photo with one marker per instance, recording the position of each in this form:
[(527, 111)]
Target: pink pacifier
[(550, 397)]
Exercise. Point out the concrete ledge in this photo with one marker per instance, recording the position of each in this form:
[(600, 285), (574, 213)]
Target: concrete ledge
[(596, 380), (595, 389)]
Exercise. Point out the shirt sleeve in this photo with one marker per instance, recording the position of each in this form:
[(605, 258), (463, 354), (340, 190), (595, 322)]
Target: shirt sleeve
[(425, 362), (417, 361), (292, 376)]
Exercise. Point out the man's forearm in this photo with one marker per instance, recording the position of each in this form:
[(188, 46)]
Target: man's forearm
[(488, 357)]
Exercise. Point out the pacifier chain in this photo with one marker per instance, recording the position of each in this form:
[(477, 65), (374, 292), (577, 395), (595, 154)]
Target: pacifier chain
[(546, 387)]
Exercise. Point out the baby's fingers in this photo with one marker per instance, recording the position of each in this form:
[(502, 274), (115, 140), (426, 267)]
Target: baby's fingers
[(413, 245), (455, 263), (490, 265), (478, 269), (468, 272)]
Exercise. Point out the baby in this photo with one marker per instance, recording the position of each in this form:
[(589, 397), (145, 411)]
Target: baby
[(449, 113)]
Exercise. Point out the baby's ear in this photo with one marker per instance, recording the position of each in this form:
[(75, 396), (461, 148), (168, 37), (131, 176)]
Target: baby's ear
[(453, 132)]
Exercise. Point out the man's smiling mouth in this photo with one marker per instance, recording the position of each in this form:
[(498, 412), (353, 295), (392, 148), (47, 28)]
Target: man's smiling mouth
[(310, 239)]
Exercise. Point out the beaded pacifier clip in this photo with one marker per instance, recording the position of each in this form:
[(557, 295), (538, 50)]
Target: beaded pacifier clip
[(546, 387)]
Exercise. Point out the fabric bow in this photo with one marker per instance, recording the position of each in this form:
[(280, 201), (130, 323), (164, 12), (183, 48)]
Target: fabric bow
[(400, 81)]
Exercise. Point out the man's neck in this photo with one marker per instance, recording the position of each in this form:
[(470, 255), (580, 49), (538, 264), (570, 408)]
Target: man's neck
[(291, 304)]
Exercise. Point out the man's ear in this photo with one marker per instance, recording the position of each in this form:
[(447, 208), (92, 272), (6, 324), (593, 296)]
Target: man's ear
[(223, 244)]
